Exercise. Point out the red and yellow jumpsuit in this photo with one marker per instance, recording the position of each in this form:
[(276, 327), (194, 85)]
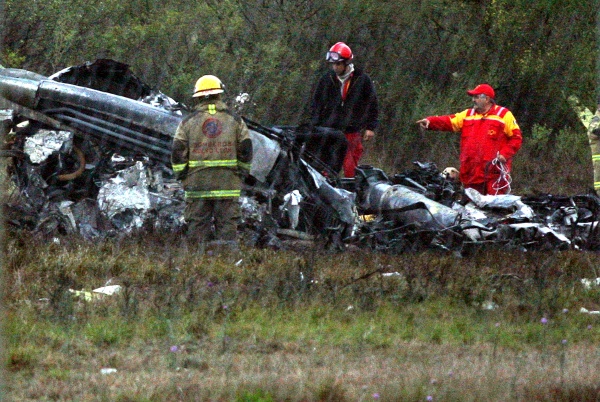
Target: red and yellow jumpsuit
[(483, 137)]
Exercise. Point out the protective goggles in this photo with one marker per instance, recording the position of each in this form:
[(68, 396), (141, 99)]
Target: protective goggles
[(333, 57)]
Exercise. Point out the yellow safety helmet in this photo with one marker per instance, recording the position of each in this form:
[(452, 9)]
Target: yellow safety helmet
[(208, 85)]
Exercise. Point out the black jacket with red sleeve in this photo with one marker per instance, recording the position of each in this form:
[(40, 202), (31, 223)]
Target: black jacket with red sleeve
[(359, 111)]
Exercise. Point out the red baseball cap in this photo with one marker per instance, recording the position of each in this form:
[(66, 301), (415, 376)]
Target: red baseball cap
[(484, 89)]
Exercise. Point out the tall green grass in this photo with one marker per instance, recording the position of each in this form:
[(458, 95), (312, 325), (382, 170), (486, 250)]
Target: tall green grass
[(259, 325)]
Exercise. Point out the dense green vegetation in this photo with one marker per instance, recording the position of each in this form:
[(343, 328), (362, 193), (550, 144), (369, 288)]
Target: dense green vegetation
[(421, 54)]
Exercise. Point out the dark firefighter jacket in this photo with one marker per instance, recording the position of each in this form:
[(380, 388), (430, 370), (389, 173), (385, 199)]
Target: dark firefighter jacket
[(211, 151), (358, 112)]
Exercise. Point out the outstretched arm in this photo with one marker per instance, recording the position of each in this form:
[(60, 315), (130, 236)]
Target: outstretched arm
[(423, 123)]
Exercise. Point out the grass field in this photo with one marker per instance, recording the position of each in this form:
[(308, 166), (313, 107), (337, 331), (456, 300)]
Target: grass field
[(259, 325)]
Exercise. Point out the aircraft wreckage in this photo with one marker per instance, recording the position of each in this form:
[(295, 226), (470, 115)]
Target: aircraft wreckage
[(88, 152)]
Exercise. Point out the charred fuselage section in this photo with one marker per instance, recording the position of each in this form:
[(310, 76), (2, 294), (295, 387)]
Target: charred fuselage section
[(89, 150)]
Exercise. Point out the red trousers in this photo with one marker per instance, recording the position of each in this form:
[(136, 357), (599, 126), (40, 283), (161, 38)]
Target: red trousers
[(353, 153)]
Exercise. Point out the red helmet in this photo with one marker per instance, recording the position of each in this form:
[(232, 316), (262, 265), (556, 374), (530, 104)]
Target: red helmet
[(339, 52)]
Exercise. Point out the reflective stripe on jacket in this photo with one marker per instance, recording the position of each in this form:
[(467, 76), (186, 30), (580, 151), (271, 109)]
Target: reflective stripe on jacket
[(207, 153), (213, 194)]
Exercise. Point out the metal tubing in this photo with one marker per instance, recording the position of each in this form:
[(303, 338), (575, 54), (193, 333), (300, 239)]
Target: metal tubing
[(118, 139), (99, 122), (20, 73), (121, 121), (116, 108), (19, 90)]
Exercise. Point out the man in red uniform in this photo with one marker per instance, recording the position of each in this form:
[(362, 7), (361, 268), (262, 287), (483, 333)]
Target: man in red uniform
[(345, 99), (490, 137)]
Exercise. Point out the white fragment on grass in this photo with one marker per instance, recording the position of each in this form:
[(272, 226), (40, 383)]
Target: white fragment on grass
[(586, 311), (106, 371), (489, 305), (108, 290), (96, 293), (237, 264)]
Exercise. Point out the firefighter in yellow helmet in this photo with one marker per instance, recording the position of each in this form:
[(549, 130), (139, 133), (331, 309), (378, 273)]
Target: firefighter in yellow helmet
[(212, 152)]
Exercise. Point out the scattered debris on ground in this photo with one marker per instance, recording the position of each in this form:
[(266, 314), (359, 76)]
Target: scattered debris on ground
[(87, 151)]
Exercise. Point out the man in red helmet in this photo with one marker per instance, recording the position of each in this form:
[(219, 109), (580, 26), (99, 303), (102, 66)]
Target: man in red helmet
[(490, 137), (345, 99)]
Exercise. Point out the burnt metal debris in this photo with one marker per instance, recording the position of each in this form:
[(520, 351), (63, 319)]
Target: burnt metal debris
[(87, 151)]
